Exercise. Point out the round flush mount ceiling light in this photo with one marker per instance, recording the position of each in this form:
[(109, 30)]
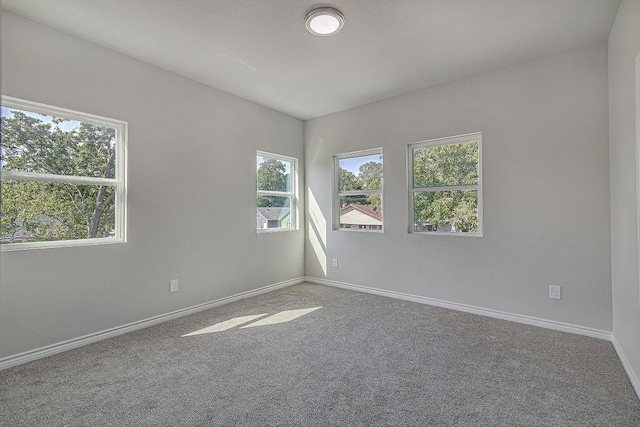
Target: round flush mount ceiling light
[(324, 21)]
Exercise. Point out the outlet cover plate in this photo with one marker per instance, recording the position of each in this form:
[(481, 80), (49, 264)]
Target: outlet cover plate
[(174, 286), (555, 292)]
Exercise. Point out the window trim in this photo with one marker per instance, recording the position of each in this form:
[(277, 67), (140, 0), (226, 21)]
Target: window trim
[(293, 193), (337, 193), (478, 187), (119, 181), (637, 99)]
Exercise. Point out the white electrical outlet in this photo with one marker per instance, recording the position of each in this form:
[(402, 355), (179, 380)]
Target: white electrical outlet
[(555, 292), (174, 286), (335, 263)]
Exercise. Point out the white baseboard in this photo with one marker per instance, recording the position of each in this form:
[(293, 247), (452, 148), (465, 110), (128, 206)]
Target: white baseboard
[(528, 320), (28, 356), (633, 377)]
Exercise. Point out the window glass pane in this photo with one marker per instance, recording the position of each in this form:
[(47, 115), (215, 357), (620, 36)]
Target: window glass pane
[(446, 211), (360, 173), (441, 165), (39, 211), (361, 212), (273, 211), (33, 142), (273, 174)]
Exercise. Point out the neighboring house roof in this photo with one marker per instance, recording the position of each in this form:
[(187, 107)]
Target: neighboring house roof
[(360, 215), (272, 214)]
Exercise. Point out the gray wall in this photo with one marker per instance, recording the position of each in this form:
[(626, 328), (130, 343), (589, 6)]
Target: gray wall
[(624, 47), (546, 192), (191, 194)]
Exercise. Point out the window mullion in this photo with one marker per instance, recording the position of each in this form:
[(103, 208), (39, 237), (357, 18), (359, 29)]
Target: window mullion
[(274, 193), (64, 179), (359, 192), (446, 188)]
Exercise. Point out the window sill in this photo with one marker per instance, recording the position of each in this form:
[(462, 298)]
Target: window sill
[(10, 247), (274, 230), (359, 230), (435, 233)]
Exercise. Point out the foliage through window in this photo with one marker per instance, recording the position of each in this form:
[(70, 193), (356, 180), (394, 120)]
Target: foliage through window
[(359, 190), (445, 184), (63, 177), (275, 198)]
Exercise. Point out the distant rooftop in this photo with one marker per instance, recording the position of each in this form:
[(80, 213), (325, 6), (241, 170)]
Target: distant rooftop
[(372, 211), (272, 214)]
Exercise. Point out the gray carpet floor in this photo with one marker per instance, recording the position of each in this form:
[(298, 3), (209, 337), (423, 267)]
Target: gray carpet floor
[(358, 360)]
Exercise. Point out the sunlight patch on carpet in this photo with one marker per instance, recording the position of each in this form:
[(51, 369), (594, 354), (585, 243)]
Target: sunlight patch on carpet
[(227, 324), (282, 317)]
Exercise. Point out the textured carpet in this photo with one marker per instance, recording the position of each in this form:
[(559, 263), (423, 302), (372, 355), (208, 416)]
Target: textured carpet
[(359, 360)]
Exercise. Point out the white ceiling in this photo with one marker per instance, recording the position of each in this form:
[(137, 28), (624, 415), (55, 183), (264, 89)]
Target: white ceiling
[(260, 50)]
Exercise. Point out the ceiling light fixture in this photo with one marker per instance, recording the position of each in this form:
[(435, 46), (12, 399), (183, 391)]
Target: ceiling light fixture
[(324, 21)]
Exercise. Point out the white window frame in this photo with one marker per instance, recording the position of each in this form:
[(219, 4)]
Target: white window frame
[(292, 193), (119, 181), (478, 187), (637, 96), (337, 193)]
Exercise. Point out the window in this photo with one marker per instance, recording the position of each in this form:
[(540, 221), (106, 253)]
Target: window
[(358, 190), (445, 186), (63, 177), (276, 192)]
